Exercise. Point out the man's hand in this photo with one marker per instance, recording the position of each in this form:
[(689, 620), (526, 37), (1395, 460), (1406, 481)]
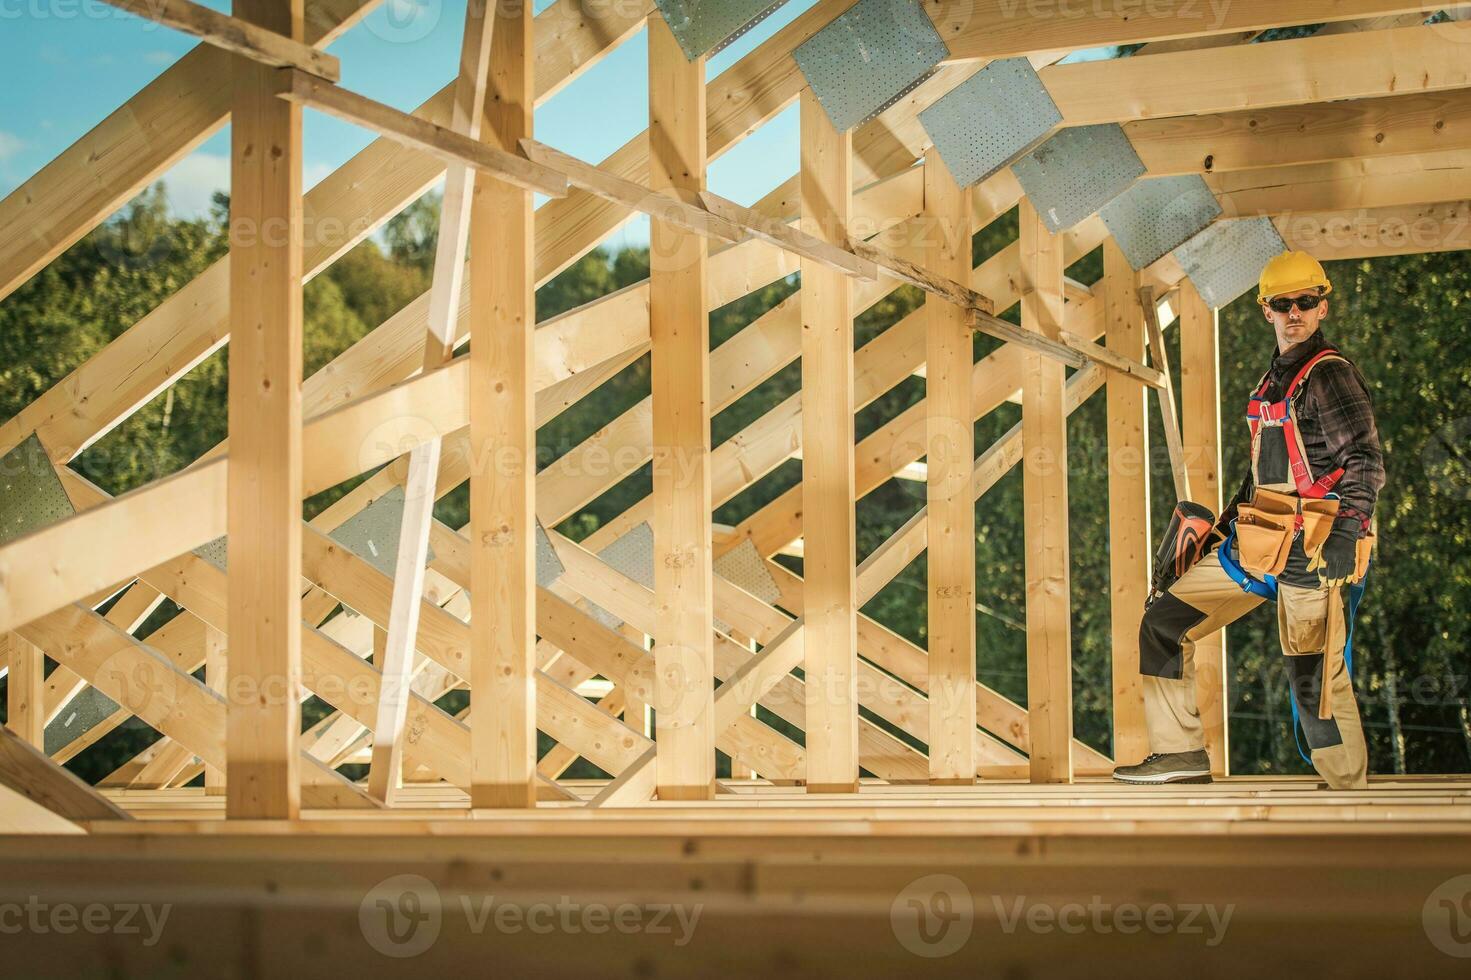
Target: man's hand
[(1335, 562)]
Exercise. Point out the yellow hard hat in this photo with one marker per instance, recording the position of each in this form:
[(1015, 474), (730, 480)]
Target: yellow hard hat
[(1289, 272)]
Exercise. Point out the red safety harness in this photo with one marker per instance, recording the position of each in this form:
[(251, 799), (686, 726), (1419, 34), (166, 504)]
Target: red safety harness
[(1261, 412)]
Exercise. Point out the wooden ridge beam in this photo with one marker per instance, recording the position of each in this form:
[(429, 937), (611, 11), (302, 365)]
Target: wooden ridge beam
[(235, 35), (1372, 232)]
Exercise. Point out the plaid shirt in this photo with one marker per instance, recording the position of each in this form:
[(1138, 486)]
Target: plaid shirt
[(1336, 419)]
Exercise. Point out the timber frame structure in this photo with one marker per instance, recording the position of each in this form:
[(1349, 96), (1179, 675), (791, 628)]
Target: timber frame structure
[(910, 763)]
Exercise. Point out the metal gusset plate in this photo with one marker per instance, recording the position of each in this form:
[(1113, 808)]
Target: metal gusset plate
[(869, 56), (706, 27), (990, 119), (1077, 171), (549, 565), (78, 716), (1226, 258), (1157, 215), (633, 555), (31, 495)]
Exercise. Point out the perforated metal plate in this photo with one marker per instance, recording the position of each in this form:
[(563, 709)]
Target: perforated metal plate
[(549, 567), (744, 566), (1226, 258), (633, 555), (869, 56), (1158, 214), (990, 119), (1077, 171), (705, 27), (77, 717), (31, 495)]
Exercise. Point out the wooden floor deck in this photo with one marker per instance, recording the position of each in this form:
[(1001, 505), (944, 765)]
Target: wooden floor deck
[(1040, 879)]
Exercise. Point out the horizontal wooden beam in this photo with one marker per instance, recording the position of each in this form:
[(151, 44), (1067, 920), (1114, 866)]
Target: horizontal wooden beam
[(235, 35), (784, 236), (989, 29), (632, 195), (419, 134)]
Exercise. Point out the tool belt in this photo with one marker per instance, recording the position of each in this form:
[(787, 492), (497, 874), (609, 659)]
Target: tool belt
[(1266, 528)]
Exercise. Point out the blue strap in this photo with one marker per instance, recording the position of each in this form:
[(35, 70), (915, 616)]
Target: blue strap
[(1268, 590)]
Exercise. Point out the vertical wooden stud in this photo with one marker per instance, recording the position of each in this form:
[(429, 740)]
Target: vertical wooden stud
[(950, 455), (829, 547), (264, 509), (1128, 503), (503, 441), (679, 333), (1044, 486)]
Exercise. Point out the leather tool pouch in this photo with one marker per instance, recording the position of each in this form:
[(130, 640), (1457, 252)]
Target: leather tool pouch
[(1317, 522), (1264, 531), (1363, 551)]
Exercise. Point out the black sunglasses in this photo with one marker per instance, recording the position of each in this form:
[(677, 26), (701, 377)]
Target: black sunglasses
[(1284, 303)]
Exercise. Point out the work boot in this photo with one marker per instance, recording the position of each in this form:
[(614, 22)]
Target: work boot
[(1168, 767)]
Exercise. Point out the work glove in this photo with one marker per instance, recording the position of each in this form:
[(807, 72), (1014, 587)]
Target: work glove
[(1336, 560)]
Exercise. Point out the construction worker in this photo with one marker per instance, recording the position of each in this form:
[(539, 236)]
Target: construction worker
[(1298, 530)]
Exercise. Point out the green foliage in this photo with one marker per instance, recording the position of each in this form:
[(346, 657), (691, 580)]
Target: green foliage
[(1404, 320)]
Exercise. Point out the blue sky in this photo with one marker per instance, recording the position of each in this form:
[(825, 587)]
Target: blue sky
[(66, 64)]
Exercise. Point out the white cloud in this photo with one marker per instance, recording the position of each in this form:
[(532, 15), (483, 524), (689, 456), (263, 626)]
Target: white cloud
[(192, 182), (10, 145)]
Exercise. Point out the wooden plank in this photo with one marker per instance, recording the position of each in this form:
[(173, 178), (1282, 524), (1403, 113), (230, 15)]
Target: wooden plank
[(950, 510), (265, 472), (25, 769), (25, 690), (611, 187), (791, 239), (1200, 408), (979, 29), (235, 35), (1375, 232), (503, 440), (1045, 500), (1169, 414), (680, 382), (1128, 504), (385, 772), (500, 163), (1243, 77), (216, 676), (829, 524)]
